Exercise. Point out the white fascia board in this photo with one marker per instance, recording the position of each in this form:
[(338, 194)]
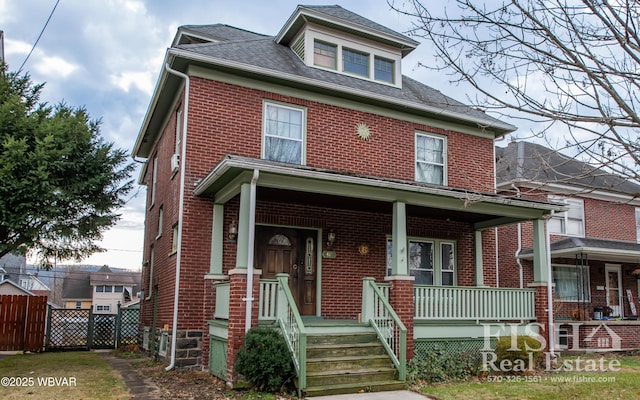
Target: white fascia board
[(250, 164), (339, 88)]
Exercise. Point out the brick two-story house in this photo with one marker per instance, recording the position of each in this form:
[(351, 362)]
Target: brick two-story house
[(594, 244), (301, 181)]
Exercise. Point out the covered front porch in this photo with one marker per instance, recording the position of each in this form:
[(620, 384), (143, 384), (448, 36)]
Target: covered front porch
[(401, 258)]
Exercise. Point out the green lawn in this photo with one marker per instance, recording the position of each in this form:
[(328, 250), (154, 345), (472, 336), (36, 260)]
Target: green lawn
[(64, 375), (623, 384)]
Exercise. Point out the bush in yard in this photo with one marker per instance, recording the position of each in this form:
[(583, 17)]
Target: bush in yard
[(265, 361), (441, 366), (522, 354)]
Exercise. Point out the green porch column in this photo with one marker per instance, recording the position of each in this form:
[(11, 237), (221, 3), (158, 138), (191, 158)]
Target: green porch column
[(479, 268), (540, 263), (242, 251), (400, 264), (217, 240)]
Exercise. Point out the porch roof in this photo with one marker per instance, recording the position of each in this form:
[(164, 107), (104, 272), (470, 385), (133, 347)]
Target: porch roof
[(594, 249), (486, 210)]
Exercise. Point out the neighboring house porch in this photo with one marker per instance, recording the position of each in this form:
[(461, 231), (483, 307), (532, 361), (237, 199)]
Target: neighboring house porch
[(324, 252), (597, 285)]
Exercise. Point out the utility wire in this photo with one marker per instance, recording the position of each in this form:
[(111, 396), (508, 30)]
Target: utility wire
[(39, 36)]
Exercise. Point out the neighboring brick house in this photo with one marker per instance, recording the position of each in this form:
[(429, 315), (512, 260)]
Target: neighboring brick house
[(309, 154), (595, 243)]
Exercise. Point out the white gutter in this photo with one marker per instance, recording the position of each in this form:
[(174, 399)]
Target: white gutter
[(550, 324), (252, 234), (183, 159)]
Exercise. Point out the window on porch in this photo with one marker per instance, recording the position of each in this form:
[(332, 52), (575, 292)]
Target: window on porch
[(571, 283), (431, 261)]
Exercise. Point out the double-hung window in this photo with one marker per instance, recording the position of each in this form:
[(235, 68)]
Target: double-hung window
[(431, 157), (570, 222), (431, 261), (355, 62), (383, 69), (638, 225), (324, 54), (571, 283), (283, 133)]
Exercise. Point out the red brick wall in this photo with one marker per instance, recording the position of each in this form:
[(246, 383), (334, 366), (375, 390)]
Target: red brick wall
[(610, 221), (227, 119)]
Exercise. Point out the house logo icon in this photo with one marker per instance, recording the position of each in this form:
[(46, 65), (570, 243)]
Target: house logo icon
[(605, 339)]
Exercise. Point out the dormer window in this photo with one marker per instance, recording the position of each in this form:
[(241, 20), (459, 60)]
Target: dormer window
[(355, 62), (350, 56), (383, 69), (324, 54)]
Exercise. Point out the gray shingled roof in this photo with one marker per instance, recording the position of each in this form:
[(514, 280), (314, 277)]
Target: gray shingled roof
[(353, 18), (525, 161), (265, 53), (76, 286), (220, 32)]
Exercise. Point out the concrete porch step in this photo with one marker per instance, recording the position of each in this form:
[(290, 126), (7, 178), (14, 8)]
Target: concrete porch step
[(381, 386)]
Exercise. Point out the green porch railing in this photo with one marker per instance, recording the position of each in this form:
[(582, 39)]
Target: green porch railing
[(473, 303), (292, 328), (377, 311), (268, 299)]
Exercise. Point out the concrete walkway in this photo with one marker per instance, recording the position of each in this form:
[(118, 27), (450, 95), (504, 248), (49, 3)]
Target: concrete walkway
[(140, 387), (392, 395)]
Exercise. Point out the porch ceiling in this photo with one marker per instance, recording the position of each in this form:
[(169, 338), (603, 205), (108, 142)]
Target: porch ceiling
[(284, 182)]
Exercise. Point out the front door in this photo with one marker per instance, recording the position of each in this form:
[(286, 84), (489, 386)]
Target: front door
[(614, 289), (290, 251)]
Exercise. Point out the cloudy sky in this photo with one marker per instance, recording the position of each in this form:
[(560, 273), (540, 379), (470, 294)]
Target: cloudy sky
[(106, 55)]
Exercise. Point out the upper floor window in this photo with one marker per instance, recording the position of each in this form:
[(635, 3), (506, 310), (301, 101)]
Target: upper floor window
[(570, 222), (431, 261), (325, 54), (431, 155), (160, 221), (283, 133), (355, 62), (383, 69), (154, 180), (349, 56), (638, 229), (104, 289)]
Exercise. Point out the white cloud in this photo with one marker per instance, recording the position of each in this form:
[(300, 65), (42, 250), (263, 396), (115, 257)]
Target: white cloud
[(143, 80), (54, 67), (12, 47)]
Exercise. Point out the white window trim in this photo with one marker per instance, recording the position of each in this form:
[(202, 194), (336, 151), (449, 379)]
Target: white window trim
[(588, 289), (315, 32), (164, 344), (160, 221), (445, 171), (303, 155), (564, 215), (638, 225), (154, 180), (437, 257)]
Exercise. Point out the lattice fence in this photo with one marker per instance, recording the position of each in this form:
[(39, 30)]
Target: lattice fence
[(468, 346), (129, 318), (68, 329)]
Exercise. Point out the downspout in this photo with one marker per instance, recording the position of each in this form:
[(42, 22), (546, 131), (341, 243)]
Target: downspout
[(183, 159), (252, 234), (550, 323), (519, 249)]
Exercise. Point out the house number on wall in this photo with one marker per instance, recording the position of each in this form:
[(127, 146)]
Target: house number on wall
[(308, 268)]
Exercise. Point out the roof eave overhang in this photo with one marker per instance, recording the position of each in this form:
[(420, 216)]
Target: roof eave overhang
[(502, 127), (593, 253), (557, 188), (224, 182)]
